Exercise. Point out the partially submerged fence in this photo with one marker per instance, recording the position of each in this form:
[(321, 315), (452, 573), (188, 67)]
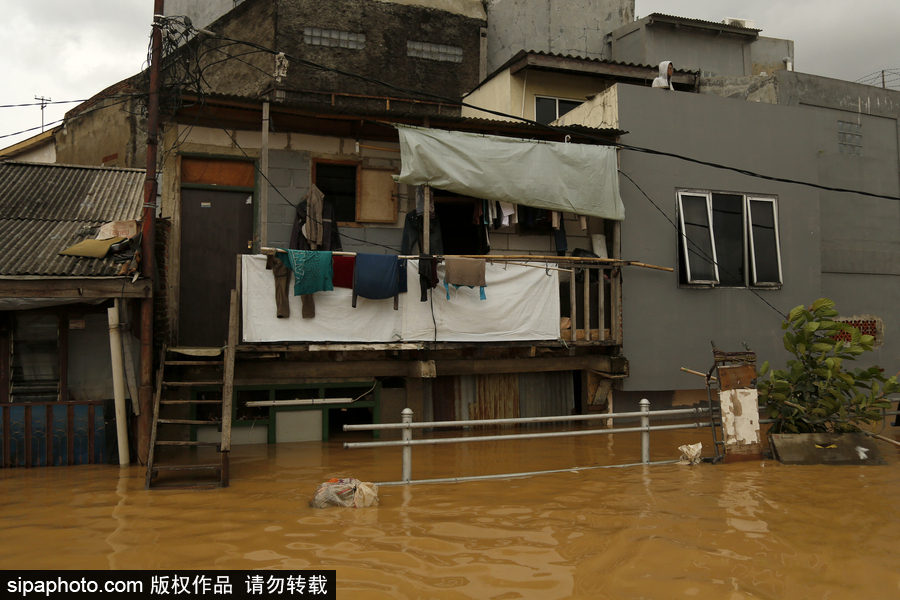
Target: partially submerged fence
[(407, 427)]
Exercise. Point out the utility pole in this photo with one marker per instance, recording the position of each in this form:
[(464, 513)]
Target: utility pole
[(148, 240), (44, 102), (882, 79)]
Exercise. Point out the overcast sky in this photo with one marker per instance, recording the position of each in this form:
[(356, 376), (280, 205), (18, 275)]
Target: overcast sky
[(71, 49)]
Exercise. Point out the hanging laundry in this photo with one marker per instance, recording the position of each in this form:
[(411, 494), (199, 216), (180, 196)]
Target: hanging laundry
[(282, 279), (314, 228), (313, 271), (413, 234), (508, 211), (428, 277), (464, 272), (331, 236), (376, 277), (343, 271)]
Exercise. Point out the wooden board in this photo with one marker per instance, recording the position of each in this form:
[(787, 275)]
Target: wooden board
[(825, 449), (737, 377), (213, 171), (377, 195)]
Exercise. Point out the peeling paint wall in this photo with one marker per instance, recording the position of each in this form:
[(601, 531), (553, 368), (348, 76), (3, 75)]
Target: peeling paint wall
[(576, 27), (601, 111)]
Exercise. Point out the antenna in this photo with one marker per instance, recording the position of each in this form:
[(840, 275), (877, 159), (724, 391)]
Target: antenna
[(44, 102)]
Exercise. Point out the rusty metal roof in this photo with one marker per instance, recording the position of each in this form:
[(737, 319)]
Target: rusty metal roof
[(45, 208)]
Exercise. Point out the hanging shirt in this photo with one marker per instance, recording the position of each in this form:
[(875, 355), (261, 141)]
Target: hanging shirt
[(312, 270)]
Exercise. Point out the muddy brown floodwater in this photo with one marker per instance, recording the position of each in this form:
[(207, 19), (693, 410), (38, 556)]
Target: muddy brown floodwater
[(734, 531)]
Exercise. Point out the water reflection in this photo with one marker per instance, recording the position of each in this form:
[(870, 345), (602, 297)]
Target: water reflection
[(739, 530)]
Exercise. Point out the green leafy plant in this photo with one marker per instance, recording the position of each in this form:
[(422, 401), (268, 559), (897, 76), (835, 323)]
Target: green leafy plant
[(814, 393)]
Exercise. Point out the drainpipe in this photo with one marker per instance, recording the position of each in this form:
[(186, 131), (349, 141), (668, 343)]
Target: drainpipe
[(148, 228), (118, 373)]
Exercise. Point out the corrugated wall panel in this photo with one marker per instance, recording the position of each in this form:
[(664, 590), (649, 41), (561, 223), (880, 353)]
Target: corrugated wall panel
[(546, 394)]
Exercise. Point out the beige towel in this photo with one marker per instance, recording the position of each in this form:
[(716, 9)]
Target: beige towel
[(464, 271)]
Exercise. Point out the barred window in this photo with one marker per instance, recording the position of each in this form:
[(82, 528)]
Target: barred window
[(434, 51), (315, 36)]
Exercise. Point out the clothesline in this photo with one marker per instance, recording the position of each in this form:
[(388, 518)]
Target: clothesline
[(613, 262)]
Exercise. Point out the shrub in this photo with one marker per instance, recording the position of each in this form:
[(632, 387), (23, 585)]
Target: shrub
[(814, 393)]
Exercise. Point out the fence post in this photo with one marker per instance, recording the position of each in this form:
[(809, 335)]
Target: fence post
[(406, 416), (645, 434)]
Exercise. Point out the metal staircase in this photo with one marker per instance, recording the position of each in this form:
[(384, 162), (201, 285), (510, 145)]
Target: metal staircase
[(190, 438)]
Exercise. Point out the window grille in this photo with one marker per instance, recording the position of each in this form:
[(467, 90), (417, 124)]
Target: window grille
[(314, 36), (440, 52)]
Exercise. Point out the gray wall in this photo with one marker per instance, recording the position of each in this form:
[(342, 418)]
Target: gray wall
[(289, 172), (666, 326), (860, 235), (576, 27), (712, 53)]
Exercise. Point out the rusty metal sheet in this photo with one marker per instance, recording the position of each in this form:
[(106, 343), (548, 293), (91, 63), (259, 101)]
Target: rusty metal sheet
[(825, 449)]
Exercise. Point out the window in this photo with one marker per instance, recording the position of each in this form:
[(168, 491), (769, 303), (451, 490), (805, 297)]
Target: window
[(315, 36), (728, 240), (338, 183), (547, 110), (358, 194), (849, 138), (35, 357), (434, 51)]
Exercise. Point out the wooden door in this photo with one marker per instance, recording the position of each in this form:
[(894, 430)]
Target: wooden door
[(215, 227)]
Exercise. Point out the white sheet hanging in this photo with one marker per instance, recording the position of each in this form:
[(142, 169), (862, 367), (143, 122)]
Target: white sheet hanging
[(522, 304)]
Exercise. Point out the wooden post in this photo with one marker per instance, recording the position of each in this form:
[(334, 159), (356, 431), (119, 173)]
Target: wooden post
[(63, 337), (616, 287), (426, 223), (28, 430), (263, 208), (587, 303), (601, 301), (573, 311), (49, 441)]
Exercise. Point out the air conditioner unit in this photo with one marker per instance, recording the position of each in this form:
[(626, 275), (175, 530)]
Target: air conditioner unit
[(746, 23)]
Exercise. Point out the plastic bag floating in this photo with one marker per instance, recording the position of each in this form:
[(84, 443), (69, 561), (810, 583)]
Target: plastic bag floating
[(345, 492)]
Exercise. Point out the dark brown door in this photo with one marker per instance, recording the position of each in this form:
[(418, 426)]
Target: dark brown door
[(215, 228)]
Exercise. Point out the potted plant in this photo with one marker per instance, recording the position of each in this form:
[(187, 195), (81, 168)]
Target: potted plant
[(815, 393)]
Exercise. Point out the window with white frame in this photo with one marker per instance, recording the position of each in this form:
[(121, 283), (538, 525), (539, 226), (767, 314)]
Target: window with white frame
[(728, 240), (547, 110)]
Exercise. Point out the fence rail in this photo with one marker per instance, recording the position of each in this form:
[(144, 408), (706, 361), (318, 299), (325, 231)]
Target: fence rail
[(407, 442)]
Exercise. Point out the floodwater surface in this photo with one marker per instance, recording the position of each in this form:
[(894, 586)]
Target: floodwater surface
[(732, 531)]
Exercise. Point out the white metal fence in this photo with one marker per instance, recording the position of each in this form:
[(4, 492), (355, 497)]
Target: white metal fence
[(407, 442)]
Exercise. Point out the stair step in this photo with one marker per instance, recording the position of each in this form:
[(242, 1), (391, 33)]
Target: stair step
[(195, 363), (196, 351), (185, 486), (180, 443), (187, 422), (215, 466), (219, 402), (191, 383)]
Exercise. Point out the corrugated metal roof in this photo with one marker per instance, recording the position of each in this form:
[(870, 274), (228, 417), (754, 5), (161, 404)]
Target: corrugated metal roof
[(53, 192), (45, 208), (702, 23)]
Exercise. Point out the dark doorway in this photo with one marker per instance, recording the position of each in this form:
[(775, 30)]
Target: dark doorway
[(215, 227)]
